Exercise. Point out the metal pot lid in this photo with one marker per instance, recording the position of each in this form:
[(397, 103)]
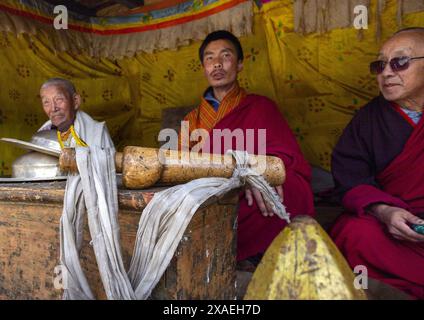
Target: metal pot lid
[(41, 163), (43, 141), (31, 146), (46, 138)]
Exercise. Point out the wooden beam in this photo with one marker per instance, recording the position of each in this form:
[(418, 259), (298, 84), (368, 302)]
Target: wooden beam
[(73, 7), (131, 3), (103, 5)]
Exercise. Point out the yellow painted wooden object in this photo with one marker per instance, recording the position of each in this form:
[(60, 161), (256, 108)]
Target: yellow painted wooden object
[(303, 263)]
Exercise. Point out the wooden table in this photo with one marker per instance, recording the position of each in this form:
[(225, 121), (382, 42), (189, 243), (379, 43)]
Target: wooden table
[(203, 266)]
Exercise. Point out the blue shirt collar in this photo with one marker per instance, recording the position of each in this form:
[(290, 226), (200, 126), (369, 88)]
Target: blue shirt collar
[(415, 116), (209, 97)]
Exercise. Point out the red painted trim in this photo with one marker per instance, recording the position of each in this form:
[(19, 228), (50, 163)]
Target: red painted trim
[(25, 14), (161, 25), (403, 114)]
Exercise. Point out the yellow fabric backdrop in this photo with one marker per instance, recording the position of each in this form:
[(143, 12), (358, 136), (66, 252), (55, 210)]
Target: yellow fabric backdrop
[(323, 79), (319, 81), (26, 64)]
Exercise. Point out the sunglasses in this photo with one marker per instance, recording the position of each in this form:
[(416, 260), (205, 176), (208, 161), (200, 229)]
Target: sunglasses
[(397, 64)]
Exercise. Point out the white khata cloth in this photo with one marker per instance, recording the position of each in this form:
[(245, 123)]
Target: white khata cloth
[(93, 132), (96, 135), (160, 228)]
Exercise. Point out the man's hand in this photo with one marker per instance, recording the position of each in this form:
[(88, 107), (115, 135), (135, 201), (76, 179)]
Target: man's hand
[(397, 220), (252, 193)]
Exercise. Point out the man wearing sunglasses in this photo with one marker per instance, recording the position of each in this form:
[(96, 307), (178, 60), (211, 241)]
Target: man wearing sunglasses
[(378, 167)]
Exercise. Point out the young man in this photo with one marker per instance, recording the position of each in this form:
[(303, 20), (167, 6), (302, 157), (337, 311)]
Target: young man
[(227, 106), (378, 168)]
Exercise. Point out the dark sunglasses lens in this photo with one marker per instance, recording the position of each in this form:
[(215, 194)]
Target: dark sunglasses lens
[(399, 64), (377, 67)]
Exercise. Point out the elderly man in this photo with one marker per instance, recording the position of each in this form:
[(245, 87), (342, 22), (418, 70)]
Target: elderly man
[(61, 104), (378, 168), (226, 106), (77, 129)]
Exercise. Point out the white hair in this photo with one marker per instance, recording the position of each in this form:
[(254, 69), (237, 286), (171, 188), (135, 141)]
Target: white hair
[(66, 84)]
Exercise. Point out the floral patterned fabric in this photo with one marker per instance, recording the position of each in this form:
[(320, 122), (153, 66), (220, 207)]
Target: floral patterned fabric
[(318, 80)]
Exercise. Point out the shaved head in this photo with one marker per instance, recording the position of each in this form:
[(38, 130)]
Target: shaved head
[(413, 29), (405, 86), (415, 33)]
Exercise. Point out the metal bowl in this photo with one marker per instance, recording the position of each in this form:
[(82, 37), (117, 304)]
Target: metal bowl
[(36, 165)]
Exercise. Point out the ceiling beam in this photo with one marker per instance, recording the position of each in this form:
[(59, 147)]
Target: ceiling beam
[(74, 7), (103, 5), (131, 3)]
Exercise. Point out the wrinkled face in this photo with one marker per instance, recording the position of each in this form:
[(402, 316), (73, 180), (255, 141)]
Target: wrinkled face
[(220, 63), (59, 106), (404, 86)]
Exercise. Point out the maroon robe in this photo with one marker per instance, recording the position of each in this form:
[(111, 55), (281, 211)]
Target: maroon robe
[(256, 232), (380, 159)]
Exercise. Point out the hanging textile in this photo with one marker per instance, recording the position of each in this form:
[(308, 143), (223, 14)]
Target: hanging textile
[(114, 37)]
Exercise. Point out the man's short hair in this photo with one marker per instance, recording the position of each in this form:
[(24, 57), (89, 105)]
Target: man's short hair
[(65, 84), (221, 35)]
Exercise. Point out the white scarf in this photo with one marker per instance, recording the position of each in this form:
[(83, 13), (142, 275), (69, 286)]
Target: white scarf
[(160, 228), (94, 133)]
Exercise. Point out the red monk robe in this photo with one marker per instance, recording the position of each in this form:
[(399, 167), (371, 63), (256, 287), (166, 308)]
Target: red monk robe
[(249, 111), (381, 142)]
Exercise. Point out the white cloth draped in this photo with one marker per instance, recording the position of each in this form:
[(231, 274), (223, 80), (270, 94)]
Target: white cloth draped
[(160, 228), (96, 135), (94, 190)]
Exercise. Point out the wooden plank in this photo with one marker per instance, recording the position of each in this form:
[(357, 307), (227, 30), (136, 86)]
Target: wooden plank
[(53, 193)]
